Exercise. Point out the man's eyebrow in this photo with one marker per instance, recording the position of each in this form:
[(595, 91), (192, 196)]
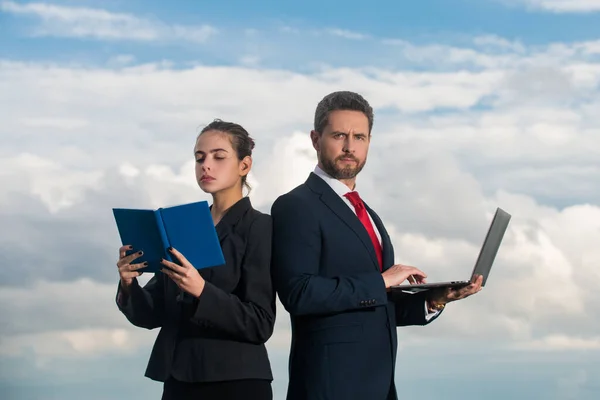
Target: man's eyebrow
[(346, 133), (210, 151)]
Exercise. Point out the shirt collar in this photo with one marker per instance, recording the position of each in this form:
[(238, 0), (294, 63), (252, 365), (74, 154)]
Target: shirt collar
[(337, 186)]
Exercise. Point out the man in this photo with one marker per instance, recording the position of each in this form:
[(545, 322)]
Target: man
[(333, 267)]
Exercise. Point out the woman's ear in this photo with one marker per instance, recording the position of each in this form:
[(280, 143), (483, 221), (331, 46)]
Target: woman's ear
[(245, 166)]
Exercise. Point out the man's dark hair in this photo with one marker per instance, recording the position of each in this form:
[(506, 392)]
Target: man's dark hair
[(342, 100)]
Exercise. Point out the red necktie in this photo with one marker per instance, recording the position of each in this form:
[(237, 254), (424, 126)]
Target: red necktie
[(363, 216)]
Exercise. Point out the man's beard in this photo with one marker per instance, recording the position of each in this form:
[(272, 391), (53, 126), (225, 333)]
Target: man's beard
[(348, 172)]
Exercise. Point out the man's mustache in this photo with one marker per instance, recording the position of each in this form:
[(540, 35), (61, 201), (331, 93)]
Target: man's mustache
[(347, 157)]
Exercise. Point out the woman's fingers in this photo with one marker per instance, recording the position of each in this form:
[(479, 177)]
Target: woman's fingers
[(127, 275), (132, 267), (135, 267), (128, 259), (174, 277), (180, 257), (128, 271), (177, 269), (123, 250)]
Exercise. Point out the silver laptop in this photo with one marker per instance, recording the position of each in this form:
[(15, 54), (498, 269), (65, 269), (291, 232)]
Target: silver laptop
[(487, 254)]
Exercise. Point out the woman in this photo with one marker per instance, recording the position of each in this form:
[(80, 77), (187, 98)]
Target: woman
[(214, 322)]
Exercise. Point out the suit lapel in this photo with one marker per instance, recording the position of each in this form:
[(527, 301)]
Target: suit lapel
[(223, 231), (339, 208), (225, 227)]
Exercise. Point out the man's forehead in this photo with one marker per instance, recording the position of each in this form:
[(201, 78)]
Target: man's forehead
[(348, 121), (348, 127)]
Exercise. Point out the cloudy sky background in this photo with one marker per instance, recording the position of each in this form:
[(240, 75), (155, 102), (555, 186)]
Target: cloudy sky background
[(479, 104)]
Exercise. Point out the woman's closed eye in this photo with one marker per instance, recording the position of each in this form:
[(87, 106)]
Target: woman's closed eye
[(201, 160)]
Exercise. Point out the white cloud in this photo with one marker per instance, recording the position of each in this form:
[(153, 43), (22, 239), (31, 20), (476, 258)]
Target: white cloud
[(557, 343), (492, 53), (521, 133), (76, 343), (81, 22), (121, 60), (346, 34), (67, 319), (436, 55), (335, 32), (561, 6), (496, 42), (56, 194), (279, 174), (80, 319), (250, 61), (534, 288), (55, 123), (46, 306)]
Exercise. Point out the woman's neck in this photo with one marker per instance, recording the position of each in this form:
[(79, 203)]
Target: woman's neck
[(222, 202)]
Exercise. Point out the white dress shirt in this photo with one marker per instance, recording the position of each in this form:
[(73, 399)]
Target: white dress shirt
[(341, 189)]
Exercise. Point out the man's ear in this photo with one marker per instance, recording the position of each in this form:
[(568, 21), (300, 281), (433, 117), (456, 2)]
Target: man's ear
[(245, 166), (314, 137)]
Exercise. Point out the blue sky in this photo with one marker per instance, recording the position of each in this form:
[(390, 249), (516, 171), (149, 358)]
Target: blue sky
[(478, 104), (420, 23)]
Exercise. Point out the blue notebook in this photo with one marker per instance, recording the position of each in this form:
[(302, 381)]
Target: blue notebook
[(188, 228)]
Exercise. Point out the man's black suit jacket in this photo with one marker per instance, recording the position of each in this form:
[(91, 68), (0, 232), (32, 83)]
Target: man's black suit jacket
[(327, 276), (221, 335)]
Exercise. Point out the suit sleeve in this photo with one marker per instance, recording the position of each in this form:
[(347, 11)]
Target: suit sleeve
[(412, 309), (248, 315), (143, 306), (409, 309), (296, 261)]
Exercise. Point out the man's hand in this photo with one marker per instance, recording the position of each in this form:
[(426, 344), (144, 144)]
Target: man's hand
[(185, 275), (448, 295), (398, 273)]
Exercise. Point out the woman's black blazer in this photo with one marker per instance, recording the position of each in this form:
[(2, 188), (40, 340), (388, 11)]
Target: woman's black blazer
[(221, 335)]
